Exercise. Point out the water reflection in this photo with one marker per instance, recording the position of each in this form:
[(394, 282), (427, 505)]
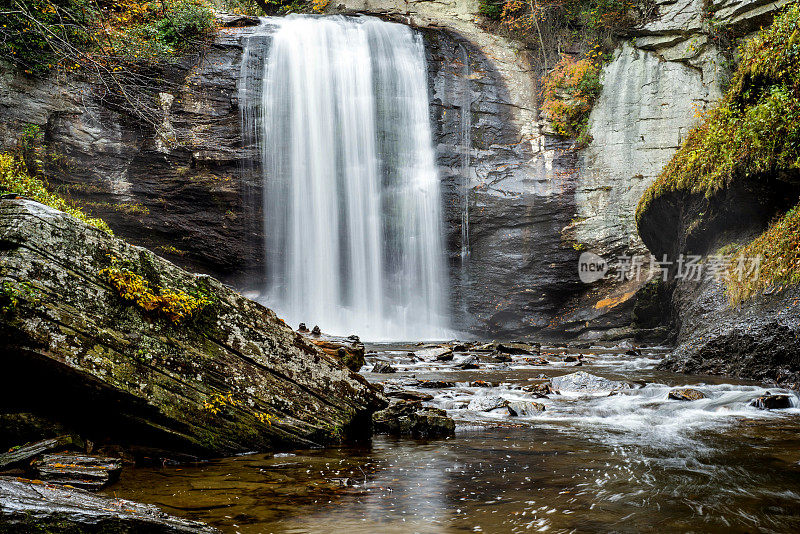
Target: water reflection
[(494, 480), (630, 462)]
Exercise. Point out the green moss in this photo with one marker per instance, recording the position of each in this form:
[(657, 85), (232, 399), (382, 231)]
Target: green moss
[(755, 130)]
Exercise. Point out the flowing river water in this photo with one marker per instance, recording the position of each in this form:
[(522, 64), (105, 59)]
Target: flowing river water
[(633, 461)]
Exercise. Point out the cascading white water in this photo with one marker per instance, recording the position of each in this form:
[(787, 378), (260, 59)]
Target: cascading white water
[(339, 109)]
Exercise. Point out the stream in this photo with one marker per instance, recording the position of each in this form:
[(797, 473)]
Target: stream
[(631, 461)]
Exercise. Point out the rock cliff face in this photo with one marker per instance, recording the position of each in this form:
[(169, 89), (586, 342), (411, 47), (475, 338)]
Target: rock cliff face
[(231, 378), (670, 69), (520, 205), (758, 339), (173, 187)]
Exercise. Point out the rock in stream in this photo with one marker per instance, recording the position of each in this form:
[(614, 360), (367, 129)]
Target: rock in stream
[(34, 507)]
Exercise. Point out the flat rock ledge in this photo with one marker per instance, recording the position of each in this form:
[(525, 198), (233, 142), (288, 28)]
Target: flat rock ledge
[(32, 506), (233, 378)]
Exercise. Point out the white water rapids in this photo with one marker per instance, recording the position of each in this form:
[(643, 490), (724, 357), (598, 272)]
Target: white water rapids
[(338, 107)]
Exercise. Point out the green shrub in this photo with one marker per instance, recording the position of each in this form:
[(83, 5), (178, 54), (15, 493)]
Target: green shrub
[(39, 35), (30, 27), (15, 179), (491, 9), (159, 31)]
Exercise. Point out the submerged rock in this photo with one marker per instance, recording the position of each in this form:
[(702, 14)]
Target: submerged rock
[(27, 506), (541, 390), (410, 418), (383, 367), (405, 394), (80, 470), (686, 394), (230, 378), (435, 384), (536, 361), (470, 362), (523, 409), (502, 357), (585, 382), (771, 402)]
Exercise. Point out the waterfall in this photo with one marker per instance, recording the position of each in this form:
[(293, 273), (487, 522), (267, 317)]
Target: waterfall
[(338, 107), (466, 148)]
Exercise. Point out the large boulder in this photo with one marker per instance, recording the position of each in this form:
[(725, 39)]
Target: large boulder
[(411, 418), (435, 353), (222, 375), (34, 507)]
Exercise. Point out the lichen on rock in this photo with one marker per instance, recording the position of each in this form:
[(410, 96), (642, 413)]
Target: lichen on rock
[(114, 372)]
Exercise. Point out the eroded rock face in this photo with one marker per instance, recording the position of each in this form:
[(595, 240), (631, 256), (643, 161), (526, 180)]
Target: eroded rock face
[(653, 89), (234, 378), (519, 203)]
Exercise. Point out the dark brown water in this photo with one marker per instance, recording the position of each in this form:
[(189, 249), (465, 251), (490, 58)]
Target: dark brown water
[(634, 462)]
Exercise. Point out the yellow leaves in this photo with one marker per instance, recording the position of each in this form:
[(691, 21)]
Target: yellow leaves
[(318, 6), (265, 418), (779, 250), (174, 305), (218, 402), (15, 178)]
